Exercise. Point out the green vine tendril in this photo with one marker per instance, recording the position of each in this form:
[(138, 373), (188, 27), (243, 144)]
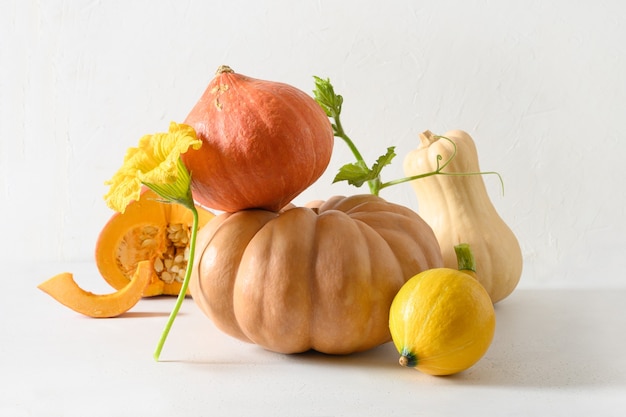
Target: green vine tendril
[(359, 173)]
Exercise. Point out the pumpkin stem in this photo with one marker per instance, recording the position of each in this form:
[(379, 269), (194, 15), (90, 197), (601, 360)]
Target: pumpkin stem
[(465, 257), (224, 69), (428, 138)]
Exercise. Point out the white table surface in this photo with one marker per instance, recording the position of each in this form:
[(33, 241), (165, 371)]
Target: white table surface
[(555, 353)]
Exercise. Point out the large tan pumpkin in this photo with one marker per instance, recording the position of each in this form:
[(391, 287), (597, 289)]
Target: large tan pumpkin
[(319, 278)]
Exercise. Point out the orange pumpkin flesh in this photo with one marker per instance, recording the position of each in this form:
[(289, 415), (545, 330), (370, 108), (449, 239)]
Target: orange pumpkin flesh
[(65, 290), (263, 143), (319, 278), (150, 230)]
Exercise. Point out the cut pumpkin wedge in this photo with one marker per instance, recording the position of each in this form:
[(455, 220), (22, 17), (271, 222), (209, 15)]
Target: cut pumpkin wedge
[(148, 230), (66, 291)]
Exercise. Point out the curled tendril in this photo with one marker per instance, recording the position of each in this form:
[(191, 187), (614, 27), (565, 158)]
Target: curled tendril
[(439, 158)]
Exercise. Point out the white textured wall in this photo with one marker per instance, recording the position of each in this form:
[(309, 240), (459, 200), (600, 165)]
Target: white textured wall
[(539, 84)]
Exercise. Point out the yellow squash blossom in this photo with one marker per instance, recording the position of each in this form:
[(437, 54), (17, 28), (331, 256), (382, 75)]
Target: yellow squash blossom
[(155, 163)]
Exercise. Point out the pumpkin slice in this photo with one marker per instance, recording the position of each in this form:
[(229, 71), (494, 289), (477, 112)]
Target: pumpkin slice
[(149, 230), (65, 290)]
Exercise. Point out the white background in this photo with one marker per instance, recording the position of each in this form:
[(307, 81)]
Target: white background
[(540, 85)]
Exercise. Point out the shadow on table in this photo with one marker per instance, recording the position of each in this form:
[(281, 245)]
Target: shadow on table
[(544, 338), (143, 314)]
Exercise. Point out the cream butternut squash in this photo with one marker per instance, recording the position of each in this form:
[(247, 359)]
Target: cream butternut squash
[(458, 209)]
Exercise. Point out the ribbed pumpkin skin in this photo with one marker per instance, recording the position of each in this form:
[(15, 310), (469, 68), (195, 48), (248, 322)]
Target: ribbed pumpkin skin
[(305, 278), (263, 144)]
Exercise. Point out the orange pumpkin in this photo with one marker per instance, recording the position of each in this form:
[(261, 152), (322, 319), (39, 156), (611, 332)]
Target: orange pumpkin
[(150, 230), (263, 143), (319, 278)]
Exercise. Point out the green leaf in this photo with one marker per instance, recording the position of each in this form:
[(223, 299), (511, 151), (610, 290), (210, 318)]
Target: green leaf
[(356, 174), (325, 96), (383, 161)]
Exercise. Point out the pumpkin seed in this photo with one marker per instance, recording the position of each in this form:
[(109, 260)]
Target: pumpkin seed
[(169, 247)]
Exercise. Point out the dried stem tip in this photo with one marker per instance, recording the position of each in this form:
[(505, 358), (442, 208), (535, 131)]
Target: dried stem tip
[(224, 69), (427, 137), (403, 361)]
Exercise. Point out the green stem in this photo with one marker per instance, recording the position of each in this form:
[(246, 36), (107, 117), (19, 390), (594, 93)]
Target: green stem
[(374, 185), (183, 289), (339, 132), (407, 179), (439, 170), (465, 257)]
